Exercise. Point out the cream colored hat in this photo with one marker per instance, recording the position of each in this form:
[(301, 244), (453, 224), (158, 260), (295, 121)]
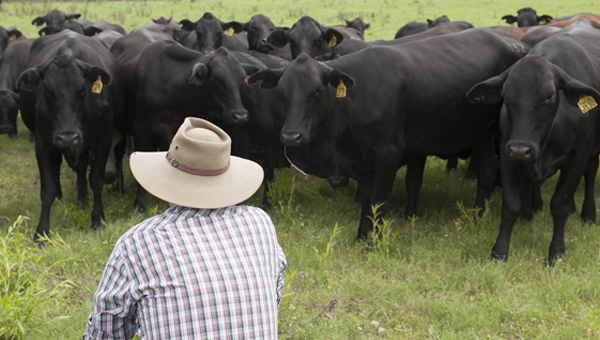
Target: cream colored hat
[(198, 171)]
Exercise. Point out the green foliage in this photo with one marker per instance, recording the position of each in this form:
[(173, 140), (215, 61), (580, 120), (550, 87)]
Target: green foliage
[(28, 287), (324, 256), (72, 215), (382, 237), (281, 192)]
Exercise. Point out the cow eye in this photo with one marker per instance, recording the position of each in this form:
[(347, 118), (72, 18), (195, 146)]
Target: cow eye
[(551, 97)]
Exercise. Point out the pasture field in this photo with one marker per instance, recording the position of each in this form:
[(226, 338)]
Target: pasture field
[(425, 278)]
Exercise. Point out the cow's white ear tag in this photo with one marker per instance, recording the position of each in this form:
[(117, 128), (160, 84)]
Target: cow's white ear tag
[(341, 90), (586, 103), (97, 88), (229, 31)]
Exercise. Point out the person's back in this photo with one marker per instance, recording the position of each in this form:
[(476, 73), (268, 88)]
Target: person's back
[(192, 273)]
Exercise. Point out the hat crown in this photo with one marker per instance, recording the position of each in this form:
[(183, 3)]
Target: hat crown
[(200, 145)]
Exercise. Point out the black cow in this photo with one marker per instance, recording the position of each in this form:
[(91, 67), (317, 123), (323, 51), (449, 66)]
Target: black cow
[(533, 34), (73, 81), (415, 27), (211, 33), (393, 107), (546, 127), (359, 25), (7, 36), (108, 37), (70, 25), (527, 17), (55, 19), (173, 82), (259, 27), (16, 56)]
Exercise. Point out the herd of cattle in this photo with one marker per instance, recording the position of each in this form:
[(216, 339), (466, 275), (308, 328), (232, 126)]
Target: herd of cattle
[(521, 101)]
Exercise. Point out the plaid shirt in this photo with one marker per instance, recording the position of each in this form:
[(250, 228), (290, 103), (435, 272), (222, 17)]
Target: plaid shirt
[(192, 274)]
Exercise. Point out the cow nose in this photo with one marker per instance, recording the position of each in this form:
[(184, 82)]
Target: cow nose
[(67, 139), (291, 139), (240, 117), (520, 152), (338, 181), (5, 129)]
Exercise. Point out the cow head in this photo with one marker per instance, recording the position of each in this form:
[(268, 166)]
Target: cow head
[(306, 36), (358, 24), (54, 18), (162, 21), (259, 28), (72, 91), (308, 89), (221, 76), (527, 17), (209, 31), (437, 22), (8, 112), (531, 90)]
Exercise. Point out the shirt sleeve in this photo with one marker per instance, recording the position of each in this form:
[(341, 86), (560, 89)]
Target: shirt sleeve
[(282, 265), (114, 315)]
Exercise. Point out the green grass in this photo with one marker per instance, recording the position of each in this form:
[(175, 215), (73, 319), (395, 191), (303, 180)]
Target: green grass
[(429, 280)]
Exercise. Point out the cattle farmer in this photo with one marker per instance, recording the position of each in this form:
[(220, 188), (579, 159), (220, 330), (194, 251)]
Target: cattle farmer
[(206, 268)]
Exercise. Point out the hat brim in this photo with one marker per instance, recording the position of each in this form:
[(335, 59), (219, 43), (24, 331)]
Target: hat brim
[(155, 174)]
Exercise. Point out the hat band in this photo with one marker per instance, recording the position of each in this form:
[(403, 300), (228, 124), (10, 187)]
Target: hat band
[(195, 171)]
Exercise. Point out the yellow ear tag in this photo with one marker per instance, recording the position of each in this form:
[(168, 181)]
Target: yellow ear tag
[(332, 41), (229, 31), (97, 88), (12, 37), (543, 21), (95, 33), (586, 103), (341, 90)]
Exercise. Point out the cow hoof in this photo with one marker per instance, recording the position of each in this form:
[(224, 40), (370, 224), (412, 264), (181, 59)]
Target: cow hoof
[(495, 257)]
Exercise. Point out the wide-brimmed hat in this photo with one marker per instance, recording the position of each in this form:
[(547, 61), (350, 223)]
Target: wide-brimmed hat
[(198, 171)]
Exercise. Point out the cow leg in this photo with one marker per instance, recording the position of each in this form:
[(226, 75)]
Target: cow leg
[(364, 191), (414, 180), (484, 157), (81, 170), (560, 205), (269, 175), (384, 174), (49, 161), (526, 198), (511, 205), (536, 198), (97, 179), (452, 163), (588, 210), (472, 169)]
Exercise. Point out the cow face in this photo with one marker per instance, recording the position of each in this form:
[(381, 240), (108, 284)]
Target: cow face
[(221, 77), (308, 89), (259, 28), (527, 17), (72, 92), (306, 36), (55, 19), (531, 90), (209, 31), (8, 112), (437, 22), (358, 24)]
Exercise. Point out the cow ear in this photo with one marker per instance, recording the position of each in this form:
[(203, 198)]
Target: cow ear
[(237, 27), (39, 21), (367, 25), (188, 25), (29, 79), (250, 69), (489, 91), (544, 19), (48, 30), (510, 19), (334, 76), (429, 23), (92, 31), (246, 26), (330, 33), (93, 72), (269, 77), (13, 33), (279, 38), (348, 23), (199, 74), (72, 16), (574, 89)]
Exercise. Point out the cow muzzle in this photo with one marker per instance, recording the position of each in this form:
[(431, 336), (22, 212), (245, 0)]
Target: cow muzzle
[(338, 181), (7, 129), (66, 139), (239, 117), (520, 152), (292, 139)]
